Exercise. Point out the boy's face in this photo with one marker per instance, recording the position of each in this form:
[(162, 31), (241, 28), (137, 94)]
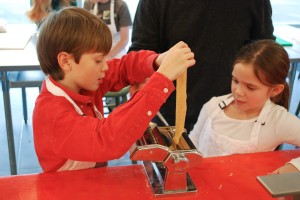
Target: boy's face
[(88, 74), (249, 92)]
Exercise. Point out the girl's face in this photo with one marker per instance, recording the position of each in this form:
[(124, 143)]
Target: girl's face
[(88, 74), (249, 92)]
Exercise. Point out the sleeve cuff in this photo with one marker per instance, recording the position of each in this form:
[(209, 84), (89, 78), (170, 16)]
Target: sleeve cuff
[(160, 85), (150, 69)]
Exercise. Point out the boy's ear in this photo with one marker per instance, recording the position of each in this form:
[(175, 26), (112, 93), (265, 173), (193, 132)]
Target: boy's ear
[(277, 90), (63, 59)]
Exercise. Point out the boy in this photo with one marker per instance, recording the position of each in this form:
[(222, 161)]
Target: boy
[(69, 129)]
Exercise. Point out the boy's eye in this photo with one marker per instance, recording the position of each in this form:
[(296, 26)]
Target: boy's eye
[(98, 61)]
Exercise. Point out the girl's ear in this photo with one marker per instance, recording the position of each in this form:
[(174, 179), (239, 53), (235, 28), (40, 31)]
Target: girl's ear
[(277, 90), (63, 59)]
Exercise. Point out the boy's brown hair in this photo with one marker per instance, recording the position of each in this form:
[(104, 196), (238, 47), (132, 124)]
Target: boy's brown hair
[(73, 30)]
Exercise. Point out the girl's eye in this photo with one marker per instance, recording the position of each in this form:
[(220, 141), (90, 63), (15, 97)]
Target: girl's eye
[(234, 80), (251, 88)]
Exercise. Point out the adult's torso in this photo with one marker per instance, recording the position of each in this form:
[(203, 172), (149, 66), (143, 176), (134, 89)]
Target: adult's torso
[(215, 31)]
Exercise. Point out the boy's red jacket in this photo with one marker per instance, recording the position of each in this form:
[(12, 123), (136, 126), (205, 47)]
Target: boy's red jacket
[(60, 133)]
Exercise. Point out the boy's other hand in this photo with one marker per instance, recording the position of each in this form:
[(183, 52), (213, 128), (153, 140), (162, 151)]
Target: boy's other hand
[(136, 87), (176, 61)]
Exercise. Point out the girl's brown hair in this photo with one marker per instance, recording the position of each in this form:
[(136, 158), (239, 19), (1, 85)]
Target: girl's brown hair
[(271, 66), (73, 30)]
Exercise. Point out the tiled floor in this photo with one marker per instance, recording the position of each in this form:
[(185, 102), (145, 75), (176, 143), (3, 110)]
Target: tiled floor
[(25, 154)]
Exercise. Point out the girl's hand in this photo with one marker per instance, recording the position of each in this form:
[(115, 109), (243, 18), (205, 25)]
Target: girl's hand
[(285, 169)]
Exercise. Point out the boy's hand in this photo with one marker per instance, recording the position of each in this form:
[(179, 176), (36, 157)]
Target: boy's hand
[(176, 60)]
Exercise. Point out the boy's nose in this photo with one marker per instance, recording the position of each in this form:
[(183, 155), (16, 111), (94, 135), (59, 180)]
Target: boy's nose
[(105, 67)]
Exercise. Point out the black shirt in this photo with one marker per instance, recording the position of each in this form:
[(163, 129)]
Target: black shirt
[(214, 29)]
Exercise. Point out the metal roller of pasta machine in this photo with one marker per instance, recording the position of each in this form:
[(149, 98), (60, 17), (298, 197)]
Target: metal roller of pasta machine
[(166, 164)]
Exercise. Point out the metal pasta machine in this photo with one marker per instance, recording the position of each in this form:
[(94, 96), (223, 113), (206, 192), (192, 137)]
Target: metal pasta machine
[(166, 163)]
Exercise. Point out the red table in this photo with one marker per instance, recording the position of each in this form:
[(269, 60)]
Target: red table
[(229, 177)]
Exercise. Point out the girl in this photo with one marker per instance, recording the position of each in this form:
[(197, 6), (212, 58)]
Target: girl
[(254, 117)]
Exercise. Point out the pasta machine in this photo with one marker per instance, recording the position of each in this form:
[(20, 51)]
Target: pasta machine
[(166, 163)]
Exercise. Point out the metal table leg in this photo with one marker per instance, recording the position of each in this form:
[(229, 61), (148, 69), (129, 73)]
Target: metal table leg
[(8, 121)]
